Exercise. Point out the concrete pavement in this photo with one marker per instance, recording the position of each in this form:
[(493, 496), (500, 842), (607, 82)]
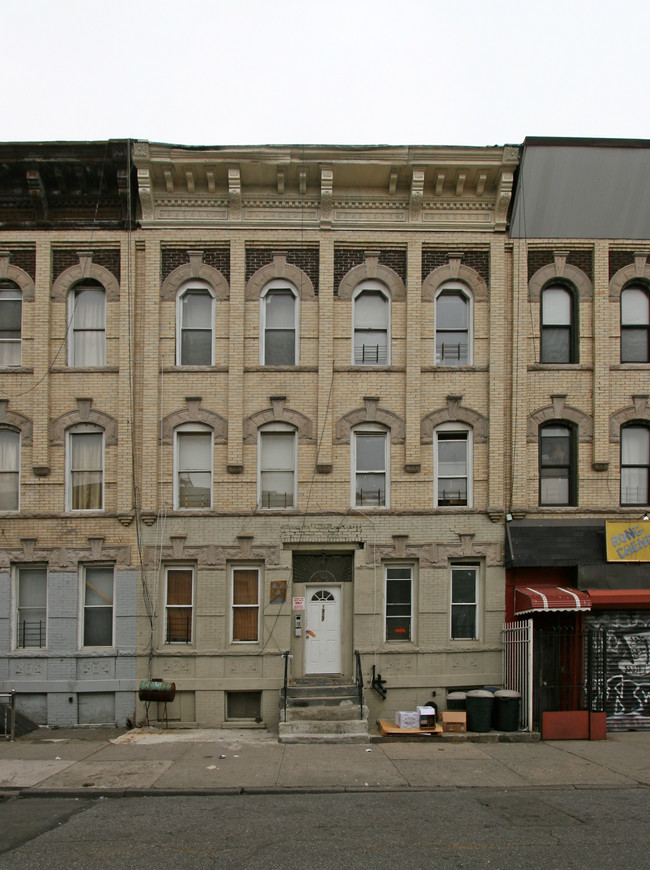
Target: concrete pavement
[(111, 763)]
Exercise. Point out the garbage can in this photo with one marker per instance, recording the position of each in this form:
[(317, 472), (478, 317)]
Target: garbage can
[(506, 710), (456, 701), (479, 710)]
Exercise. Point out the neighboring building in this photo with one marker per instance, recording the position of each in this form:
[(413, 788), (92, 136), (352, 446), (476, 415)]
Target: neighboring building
[(581, 422), (298, 343)]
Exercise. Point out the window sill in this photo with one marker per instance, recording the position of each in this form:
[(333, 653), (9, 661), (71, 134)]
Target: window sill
[(294, 368), (630, 367), (85, 369), (559, 367), (206, 368), (18, 370), (369, 368)]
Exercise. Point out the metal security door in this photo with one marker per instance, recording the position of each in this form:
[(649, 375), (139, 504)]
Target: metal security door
[(323, 631)]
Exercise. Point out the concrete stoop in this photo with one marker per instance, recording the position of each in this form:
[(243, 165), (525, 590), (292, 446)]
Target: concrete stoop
[(325, 710)]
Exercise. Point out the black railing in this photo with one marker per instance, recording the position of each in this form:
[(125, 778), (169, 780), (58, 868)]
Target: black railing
[(454, 351), (371, 497), (359, 680), (286, 656), (31, 634), (179, 627), (370, 354)]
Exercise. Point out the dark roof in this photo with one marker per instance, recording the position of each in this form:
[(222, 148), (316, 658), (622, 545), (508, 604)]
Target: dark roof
[(583, 189)]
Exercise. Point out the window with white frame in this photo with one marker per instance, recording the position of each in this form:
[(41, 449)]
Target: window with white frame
[(11, 313), (453, 326), (371, 325), (635, 325), (464, 602), (9, 469), (98, 606), (453, 465), (635, 465), (193, 451), (31, 607), (245, 605), (278, 325), (370, 471), (179, 595), (399, 603), (559, 335), (87, 325), (195, 325), (277, 467), (85, 468)]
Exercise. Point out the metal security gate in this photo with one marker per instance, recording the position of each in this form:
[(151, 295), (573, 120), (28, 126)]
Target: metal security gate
[(517, 639)]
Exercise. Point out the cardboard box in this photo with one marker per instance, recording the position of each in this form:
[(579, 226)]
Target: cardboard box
[(455, 721), (407, 719), (427, 716)]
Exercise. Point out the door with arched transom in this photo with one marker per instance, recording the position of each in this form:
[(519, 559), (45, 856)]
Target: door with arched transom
[(323, 630)]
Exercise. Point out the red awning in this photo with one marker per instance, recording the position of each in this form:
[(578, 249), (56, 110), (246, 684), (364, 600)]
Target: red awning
[(541, 599), (625, 599)]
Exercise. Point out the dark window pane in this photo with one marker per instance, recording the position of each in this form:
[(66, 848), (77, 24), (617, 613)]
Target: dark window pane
[(556, 345), (279, 347), (196, 349), (634, 345), (463, 621), (98, 626)]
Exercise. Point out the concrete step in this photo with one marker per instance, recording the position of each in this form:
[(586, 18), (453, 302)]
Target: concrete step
[(328, 713), (319, 731)]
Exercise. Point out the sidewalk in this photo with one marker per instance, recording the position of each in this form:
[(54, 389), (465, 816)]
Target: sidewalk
[(112, 763)]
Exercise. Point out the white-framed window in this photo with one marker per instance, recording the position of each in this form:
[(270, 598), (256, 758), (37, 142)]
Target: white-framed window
[(399, 603), (370, 467), (279, 318), (453, 466), (278, 457), (454, 319), (87, 330), (635, 465), (11, 316), (245, 604), (179, 597), (635, 325), (31, 607), (464, 602), (193, 462), (195, 325), (371, 325), (9, 470), (85, 468), (559, 334), (98, 590), (557, 465)]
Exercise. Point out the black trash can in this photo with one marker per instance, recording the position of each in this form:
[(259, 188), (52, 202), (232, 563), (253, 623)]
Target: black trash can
[(479, 710), (456, 701), (506, 710)]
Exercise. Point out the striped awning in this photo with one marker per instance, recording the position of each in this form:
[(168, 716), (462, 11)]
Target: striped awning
[(544, 598)]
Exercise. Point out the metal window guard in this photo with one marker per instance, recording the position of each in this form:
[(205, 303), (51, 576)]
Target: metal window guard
[(9, 701)]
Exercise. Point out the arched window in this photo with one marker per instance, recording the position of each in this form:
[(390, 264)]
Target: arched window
[(371, 325), (195, 325), (277, 467), (85, 468), (278, 324), (558, 339), (453, 465), (453, 326), (11, 306), (193, 453), (87, 325), (635, 325), (370, 467), (635, 465), (9, 469), (557, 465)]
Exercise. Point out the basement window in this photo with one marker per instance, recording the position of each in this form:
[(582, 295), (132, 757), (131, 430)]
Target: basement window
[(244, 706)]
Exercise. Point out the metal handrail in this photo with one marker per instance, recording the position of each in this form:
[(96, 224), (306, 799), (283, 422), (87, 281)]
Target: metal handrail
[(9, 701), (359, 681), (286, 656)]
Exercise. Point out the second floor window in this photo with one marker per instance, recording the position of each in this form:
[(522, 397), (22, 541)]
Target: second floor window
[(179, 590), (277, 472), (85, 472), (193, 463), (635, 465), (399, 602), (31, 610), (370, 471), (194, 335), (453, 466), (9, 469), (98, 606), (557, 485), (635, 325), (87, 330), (371, 314), (11, 307), (278, 326)]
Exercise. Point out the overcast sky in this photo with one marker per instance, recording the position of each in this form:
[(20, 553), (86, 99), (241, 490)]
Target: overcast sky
[(225, 72)]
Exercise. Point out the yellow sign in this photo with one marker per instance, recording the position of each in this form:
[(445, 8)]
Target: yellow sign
[(628, 542)]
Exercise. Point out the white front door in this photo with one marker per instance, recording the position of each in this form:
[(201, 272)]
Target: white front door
[(323, 630)]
